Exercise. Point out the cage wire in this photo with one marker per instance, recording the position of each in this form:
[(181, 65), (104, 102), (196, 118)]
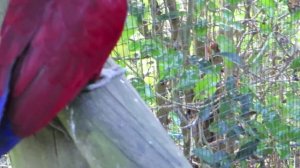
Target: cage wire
[(221, 77)]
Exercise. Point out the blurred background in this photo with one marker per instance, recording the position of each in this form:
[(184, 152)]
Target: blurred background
[(220, 75)]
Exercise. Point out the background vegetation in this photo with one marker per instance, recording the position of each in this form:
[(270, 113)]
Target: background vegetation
[(221, 76)]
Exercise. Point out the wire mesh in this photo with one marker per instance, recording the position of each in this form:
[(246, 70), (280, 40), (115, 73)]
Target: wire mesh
[(221, 77)]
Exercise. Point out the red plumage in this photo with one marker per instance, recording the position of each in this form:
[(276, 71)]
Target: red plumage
[(49, 51)]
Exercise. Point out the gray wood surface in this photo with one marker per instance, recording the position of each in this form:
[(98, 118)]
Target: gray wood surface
[(47, 149), (110, 127)]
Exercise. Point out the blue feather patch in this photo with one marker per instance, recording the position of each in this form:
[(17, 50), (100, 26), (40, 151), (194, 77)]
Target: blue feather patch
[(7, 138), (3, 100)]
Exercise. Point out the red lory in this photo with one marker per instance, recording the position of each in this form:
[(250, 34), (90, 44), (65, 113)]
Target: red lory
[(49, 51)]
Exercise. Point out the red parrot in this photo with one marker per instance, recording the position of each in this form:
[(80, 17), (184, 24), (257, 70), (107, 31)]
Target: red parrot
[(49, 51)]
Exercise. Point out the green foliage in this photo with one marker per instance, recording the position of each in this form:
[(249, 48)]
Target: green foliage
[(295, 65), (226, 44), (207, 86), (249, 96), (201, 29), (217, 159)]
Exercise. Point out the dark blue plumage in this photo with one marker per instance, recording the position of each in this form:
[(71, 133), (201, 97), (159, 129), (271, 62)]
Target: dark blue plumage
[(7, 136)]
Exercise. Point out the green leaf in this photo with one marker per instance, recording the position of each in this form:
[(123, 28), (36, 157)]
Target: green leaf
[(220, 127), (146, 47), (226, 44), (282, 133), (262, 131), (213, 159), (295, 16), (246, 102), (188, 79), (205, 155), (235, 132), (294, 134), (200, 4), (212, 6), (283, 150), (238, 26), (201, 29), (270, 116), (264, 149), (130, 28), (265, 27), (170, 64), (230, 84), (144, 89), (206, 66), (233, 2), (225, 108), (206, 86), (137, 9), (205, 113), (269, 6), (293, 107), (232, 57), (247, 150), (170, 15), (295, 65), (220, 156), (227, 15), (267, 3)]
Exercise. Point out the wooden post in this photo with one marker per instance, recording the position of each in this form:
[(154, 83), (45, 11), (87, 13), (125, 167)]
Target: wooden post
[(110, 127), (48, 148)]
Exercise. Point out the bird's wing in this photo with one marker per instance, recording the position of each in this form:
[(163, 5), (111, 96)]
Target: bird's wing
[(71, 45), (21, 21)]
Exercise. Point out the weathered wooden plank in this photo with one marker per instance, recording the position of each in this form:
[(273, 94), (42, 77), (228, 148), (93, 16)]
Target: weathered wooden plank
[(116, 113), (111, 127), (47, 149)]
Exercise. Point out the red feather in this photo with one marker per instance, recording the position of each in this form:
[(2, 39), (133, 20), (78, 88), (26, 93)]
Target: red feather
[(53, 48)]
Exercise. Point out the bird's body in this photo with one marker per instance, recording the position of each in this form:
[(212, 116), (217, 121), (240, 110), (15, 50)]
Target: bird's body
[(49, 51)]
